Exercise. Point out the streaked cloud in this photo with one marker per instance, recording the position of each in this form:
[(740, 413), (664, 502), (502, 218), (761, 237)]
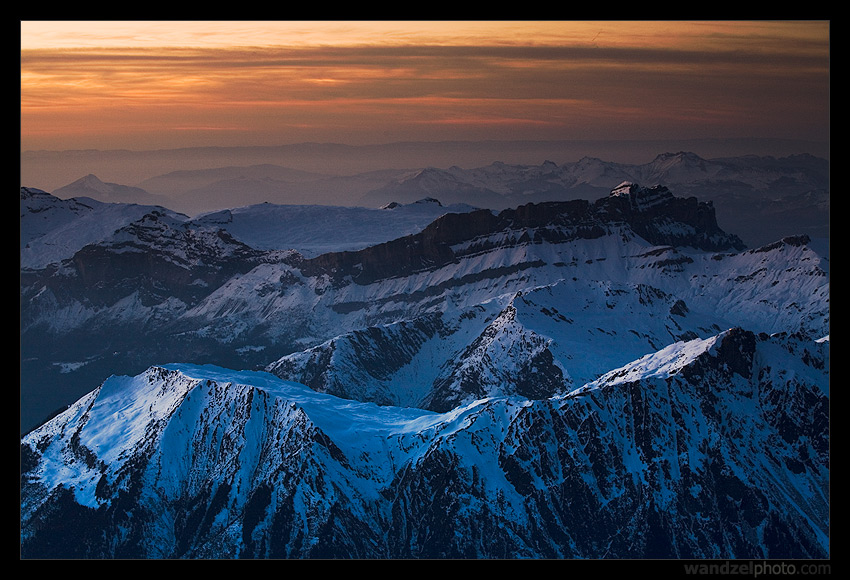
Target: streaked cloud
[(165, 84)]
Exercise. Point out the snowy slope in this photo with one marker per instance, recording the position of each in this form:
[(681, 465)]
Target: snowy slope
[(765, 289), (53, 229), (536, 343), (394, 364), (165, 287), (148, 270), (728, 460), (314, 229)]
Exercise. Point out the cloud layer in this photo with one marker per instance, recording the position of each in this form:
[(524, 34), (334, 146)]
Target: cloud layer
[(160, 85)]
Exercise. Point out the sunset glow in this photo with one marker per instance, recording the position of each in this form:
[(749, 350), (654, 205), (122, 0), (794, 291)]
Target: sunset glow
[(139, 85)]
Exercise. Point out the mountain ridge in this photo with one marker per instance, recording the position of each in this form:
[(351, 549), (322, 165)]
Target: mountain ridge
[(748, 186), (508, 477), (283, 303), (694, 221), (618, 378)]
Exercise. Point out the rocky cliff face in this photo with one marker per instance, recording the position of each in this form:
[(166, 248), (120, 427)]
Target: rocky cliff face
[(652, 213), (655, 214)]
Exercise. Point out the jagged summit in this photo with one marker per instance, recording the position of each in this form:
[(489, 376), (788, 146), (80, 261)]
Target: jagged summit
[(673, 360), (635, 190), (625, 188), (659, 216), (53, 229)]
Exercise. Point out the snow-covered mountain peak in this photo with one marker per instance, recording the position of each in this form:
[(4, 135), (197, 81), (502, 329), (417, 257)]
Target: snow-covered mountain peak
[(664, 363), (549, 169), (588, 164), (204, 462), (420, 202), (154, 220), (659, 200), (53, 229)]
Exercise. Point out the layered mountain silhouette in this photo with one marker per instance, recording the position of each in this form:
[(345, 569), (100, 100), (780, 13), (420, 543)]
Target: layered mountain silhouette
[(608, 378)]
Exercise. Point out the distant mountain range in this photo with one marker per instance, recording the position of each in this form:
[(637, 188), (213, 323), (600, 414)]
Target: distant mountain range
[(611, 377), (760, 198)]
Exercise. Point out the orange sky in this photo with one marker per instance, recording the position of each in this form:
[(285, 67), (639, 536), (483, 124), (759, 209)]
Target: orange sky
[(147, 85)]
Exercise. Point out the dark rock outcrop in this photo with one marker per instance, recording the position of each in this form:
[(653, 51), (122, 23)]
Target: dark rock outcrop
[(652, 213)]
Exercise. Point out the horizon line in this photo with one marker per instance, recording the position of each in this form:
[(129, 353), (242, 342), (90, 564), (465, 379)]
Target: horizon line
[(442, 141)]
